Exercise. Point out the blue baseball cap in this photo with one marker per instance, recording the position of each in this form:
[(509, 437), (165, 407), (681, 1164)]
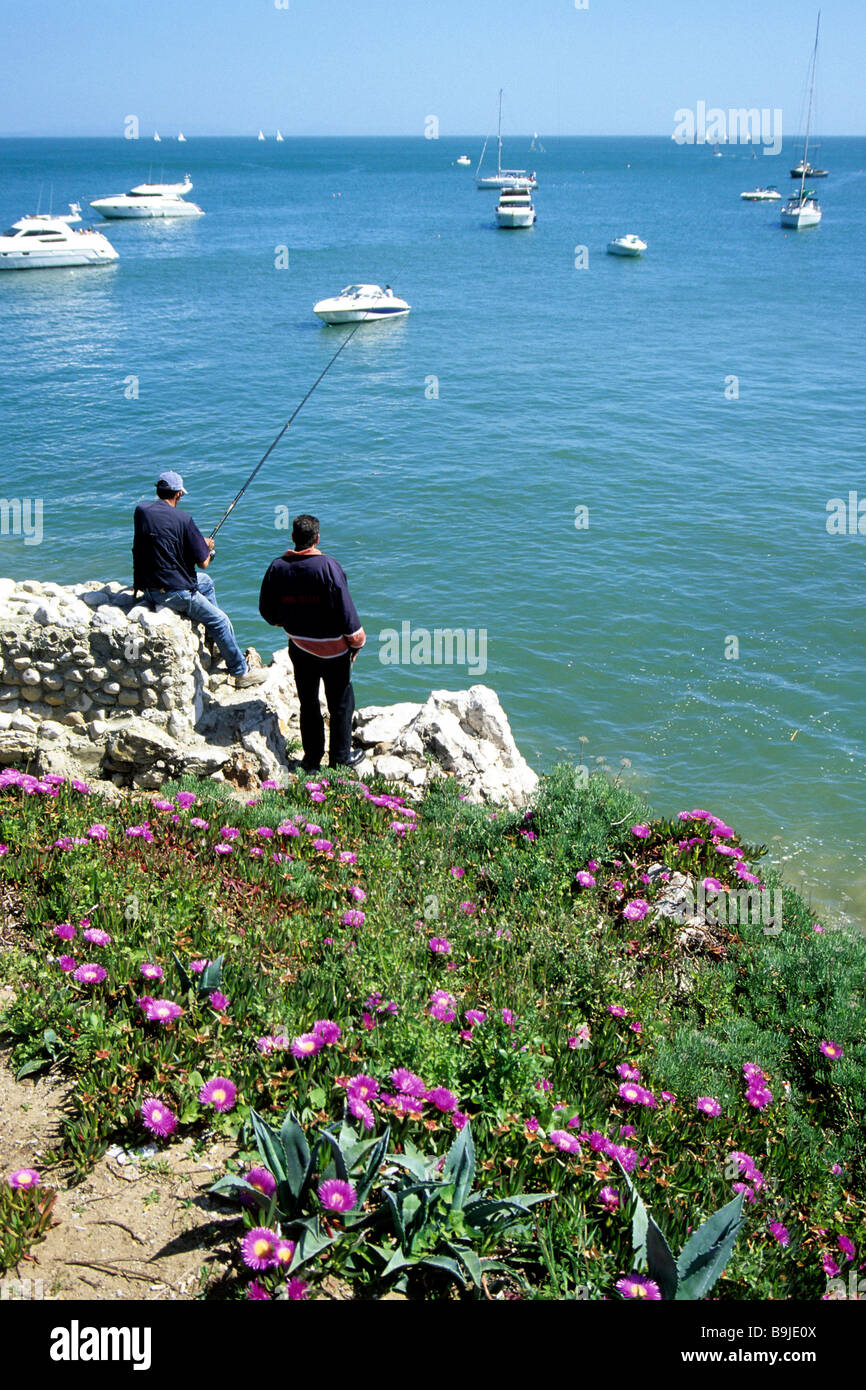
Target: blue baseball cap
[(171, 480)]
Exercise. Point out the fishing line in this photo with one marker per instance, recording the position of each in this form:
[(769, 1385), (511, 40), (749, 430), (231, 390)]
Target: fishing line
[(348, 338)]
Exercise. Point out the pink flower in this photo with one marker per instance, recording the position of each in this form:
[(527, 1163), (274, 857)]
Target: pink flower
[(306, 1045), (97, 832), (220, 1093), (566, 1143), (218, 1001), (65, 931), (456, 871), (780, 1232), (336, 1195), (442, 1098), (617, 1010), (151, 972), (439, 946), (707, 1105), (641, 831), (469, 909), (585, 879), (353, 918), (636, 911), (89, 974), (326, 1031), (67, 963), (158, 1118), (23, 1178), (609, 1198), (357, 894), (832, 1050), (97, 937)]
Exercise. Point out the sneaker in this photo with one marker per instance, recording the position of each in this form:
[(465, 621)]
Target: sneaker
[(356, 755), (250, 678)]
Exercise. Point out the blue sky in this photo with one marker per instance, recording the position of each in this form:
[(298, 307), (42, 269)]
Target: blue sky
[(380, 67)]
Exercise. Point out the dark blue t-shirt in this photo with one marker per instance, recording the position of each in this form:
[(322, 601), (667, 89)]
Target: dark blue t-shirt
[(166, 547), (308, 595)]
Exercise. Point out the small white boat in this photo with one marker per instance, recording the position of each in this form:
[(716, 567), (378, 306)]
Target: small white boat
[(803, 209), (150, 200), (279, 137), (40, 242), (361, 302), (157, 137), (503, 178), (514, 208), (463, 159), (770, 194), (181, 137), (261, 135), (629, 245)]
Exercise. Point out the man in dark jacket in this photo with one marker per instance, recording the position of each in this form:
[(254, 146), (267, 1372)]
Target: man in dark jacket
[(166, 548), (306, 593)]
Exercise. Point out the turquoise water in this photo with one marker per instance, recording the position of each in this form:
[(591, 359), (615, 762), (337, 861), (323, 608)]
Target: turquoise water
[(558, 387)]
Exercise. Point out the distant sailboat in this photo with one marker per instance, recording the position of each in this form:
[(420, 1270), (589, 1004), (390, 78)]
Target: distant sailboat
[(181, 137), (803, 208), (535, 144), (156, 136), (503, 178), (279, 137), (261, 135)]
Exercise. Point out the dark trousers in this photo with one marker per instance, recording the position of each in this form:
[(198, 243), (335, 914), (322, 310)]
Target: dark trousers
[(336, 672)]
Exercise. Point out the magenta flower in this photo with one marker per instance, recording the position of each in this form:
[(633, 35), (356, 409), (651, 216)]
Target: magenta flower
[(832, 1050), (847, 1247), (67, 963), (609, 1198), (256, 1294), (229, 832), (336, 1195), (459, 1119), (218, 1000), (223, 849), (712, 885), (348, 856), (97, 832), (442, 1098), (636, 910), (285, 1252), (306, 1045), (297, 1290), (357, 894), (361, 1111), (151, 972), (96, 936), (259, 1248), (830, 1266), (24, 1178), (759, 1096), (198, 966), (89, 974), (456, 872), (439, 945), (162, 1011), (584, 879), (638, 1286), (469, 909), (508, 1018), (617, 1010), (185, 800), (474, 1016), (326, 1031), (407, 1082), (323, 845), (65, 931), (780, 1232), (263, 1180), (157, 1117), (627, 1072), (707, 1105), (565, 1142), (353, 918), (363, 1088), (220, 1093), (641, 831)]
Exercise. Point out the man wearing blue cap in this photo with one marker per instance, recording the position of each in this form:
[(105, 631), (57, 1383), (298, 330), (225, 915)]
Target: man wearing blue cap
[(166, 549)]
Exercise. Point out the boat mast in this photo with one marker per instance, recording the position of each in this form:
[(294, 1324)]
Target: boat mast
[(499, 151), (809, 112)]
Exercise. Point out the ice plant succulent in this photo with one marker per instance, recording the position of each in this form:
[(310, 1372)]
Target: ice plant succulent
[(336, 1195), (219, 1092)]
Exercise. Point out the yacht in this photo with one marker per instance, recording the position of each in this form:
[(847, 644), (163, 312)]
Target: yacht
[(803, 208), (261, 135), (150, 200), (515, 207), (804, 168), (463, 159), (629, 245), (357, 303), (279, 137), (181, 137), (39, 242), (503, 178), (770, 194), (157, 137)]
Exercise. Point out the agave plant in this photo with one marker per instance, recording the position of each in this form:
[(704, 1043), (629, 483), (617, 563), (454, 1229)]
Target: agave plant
[(438, 1222), (703, 1257)]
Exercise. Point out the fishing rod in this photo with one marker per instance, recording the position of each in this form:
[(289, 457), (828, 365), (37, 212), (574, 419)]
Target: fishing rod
[(348, 338)]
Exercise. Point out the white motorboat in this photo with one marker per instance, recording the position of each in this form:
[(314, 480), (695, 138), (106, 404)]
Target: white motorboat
[(150, 200), (762, 195), (361, 302), (41, 242), (803, 209), (514, 208), (463, 159), (503, 178), (629, 245)]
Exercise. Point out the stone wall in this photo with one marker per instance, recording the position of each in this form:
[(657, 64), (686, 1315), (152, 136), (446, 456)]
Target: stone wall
[(95, 685)]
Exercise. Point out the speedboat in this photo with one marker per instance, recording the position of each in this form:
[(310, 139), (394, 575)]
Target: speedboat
[(463, 159), (150, 200), (359, 302), (514, 208), (762, 195), (630, 245), (40, 242)]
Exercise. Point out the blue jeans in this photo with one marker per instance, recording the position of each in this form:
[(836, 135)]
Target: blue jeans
[(200, 606)]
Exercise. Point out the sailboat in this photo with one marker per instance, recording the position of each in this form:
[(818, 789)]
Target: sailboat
[(503, 178), (156, 136), (803, 208), (279, 137), (535, 144), (181, 137), (261, 135)]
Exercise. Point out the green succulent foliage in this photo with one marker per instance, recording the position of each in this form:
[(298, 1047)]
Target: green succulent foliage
[(702, 1259), (438, 1221)]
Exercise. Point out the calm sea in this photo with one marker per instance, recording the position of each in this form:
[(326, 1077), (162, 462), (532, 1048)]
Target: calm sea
[(705, 404)]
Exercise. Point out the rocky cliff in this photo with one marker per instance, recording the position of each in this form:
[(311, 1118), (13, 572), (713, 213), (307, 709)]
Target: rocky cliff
[(97, 686)]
